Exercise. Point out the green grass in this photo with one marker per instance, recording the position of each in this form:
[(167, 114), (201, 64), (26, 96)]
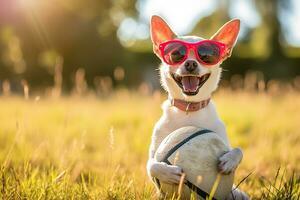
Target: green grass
[(89, 148)]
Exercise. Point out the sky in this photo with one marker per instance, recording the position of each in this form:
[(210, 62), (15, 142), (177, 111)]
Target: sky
[(183, 15), (291, 20)]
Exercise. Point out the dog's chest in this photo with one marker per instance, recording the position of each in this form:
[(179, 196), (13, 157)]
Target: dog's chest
[(173, 119)]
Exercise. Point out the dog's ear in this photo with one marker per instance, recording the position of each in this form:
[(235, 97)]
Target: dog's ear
[(228, 34), (160, 32)]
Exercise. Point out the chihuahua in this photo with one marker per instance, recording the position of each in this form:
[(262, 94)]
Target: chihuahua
[(190, 72)]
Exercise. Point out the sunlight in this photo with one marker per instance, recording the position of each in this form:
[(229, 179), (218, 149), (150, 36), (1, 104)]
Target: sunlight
[(28, 3), (33, 10), (182, 16)]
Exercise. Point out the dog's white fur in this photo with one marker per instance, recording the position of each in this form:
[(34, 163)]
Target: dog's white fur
[(173, 118)]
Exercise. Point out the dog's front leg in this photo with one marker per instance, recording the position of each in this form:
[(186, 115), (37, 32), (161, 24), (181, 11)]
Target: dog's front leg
[(166, 173), (229, 161)]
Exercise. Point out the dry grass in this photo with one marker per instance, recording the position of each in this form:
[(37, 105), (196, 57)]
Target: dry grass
[(89, 148)]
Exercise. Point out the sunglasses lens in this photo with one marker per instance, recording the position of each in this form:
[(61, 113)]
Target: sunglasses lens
[(209, 53), (174, 52)]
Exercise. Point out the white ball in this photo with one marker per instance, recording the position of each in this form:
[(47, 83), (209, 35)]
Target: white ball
[(196, 151)]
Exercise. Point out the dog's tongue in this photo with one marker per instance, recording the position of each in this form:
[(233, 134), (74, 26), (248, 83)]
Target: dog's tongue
[(190, 83)]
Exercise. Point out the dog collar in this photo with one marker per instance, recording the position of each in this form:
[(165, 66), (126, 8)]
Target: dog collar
[(189, 106)]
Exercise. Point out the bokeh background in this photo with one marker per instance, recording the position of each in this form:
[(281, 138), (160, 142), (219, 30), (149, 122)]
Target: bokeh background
[(58, 47), (80, 94)]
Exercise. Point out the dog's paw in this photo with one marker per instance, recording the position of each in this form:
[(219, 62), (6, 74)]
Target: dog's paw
[(170, 174), (237, 194), (229, 161)]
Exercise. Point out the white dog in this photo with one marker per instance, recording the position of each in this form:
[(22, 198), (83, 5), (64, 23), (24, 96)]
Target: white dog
[(190, 72)]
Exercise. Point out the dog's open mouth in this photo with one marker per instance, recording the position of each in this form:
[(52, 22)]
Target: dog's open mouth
[(190, 84)]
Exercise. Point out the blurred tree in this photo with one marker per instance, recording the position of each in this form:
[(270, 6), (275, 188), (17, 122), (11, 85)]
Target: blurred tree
[(277, 64), (269, 10), (208, 25), (83, 32), (263, 48)]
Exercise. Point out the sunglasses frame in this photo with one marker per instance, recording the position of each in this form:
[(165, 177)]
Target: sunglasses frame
[(193, 46)]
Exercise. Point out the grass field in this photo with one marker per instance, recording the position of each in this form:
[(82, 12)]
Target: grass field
[(91, 148)]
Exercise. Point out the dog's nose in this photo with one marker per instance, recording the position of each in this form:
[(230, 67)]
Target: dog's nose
[(190, 65)]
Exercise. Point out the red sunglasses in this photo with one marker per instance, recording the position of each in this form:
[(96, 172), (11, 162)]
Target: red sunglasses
[(208, 52)]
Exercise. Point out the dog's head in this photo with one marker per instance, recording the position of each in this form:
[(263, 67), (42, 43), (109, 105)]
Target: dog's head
[(191, 80)]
